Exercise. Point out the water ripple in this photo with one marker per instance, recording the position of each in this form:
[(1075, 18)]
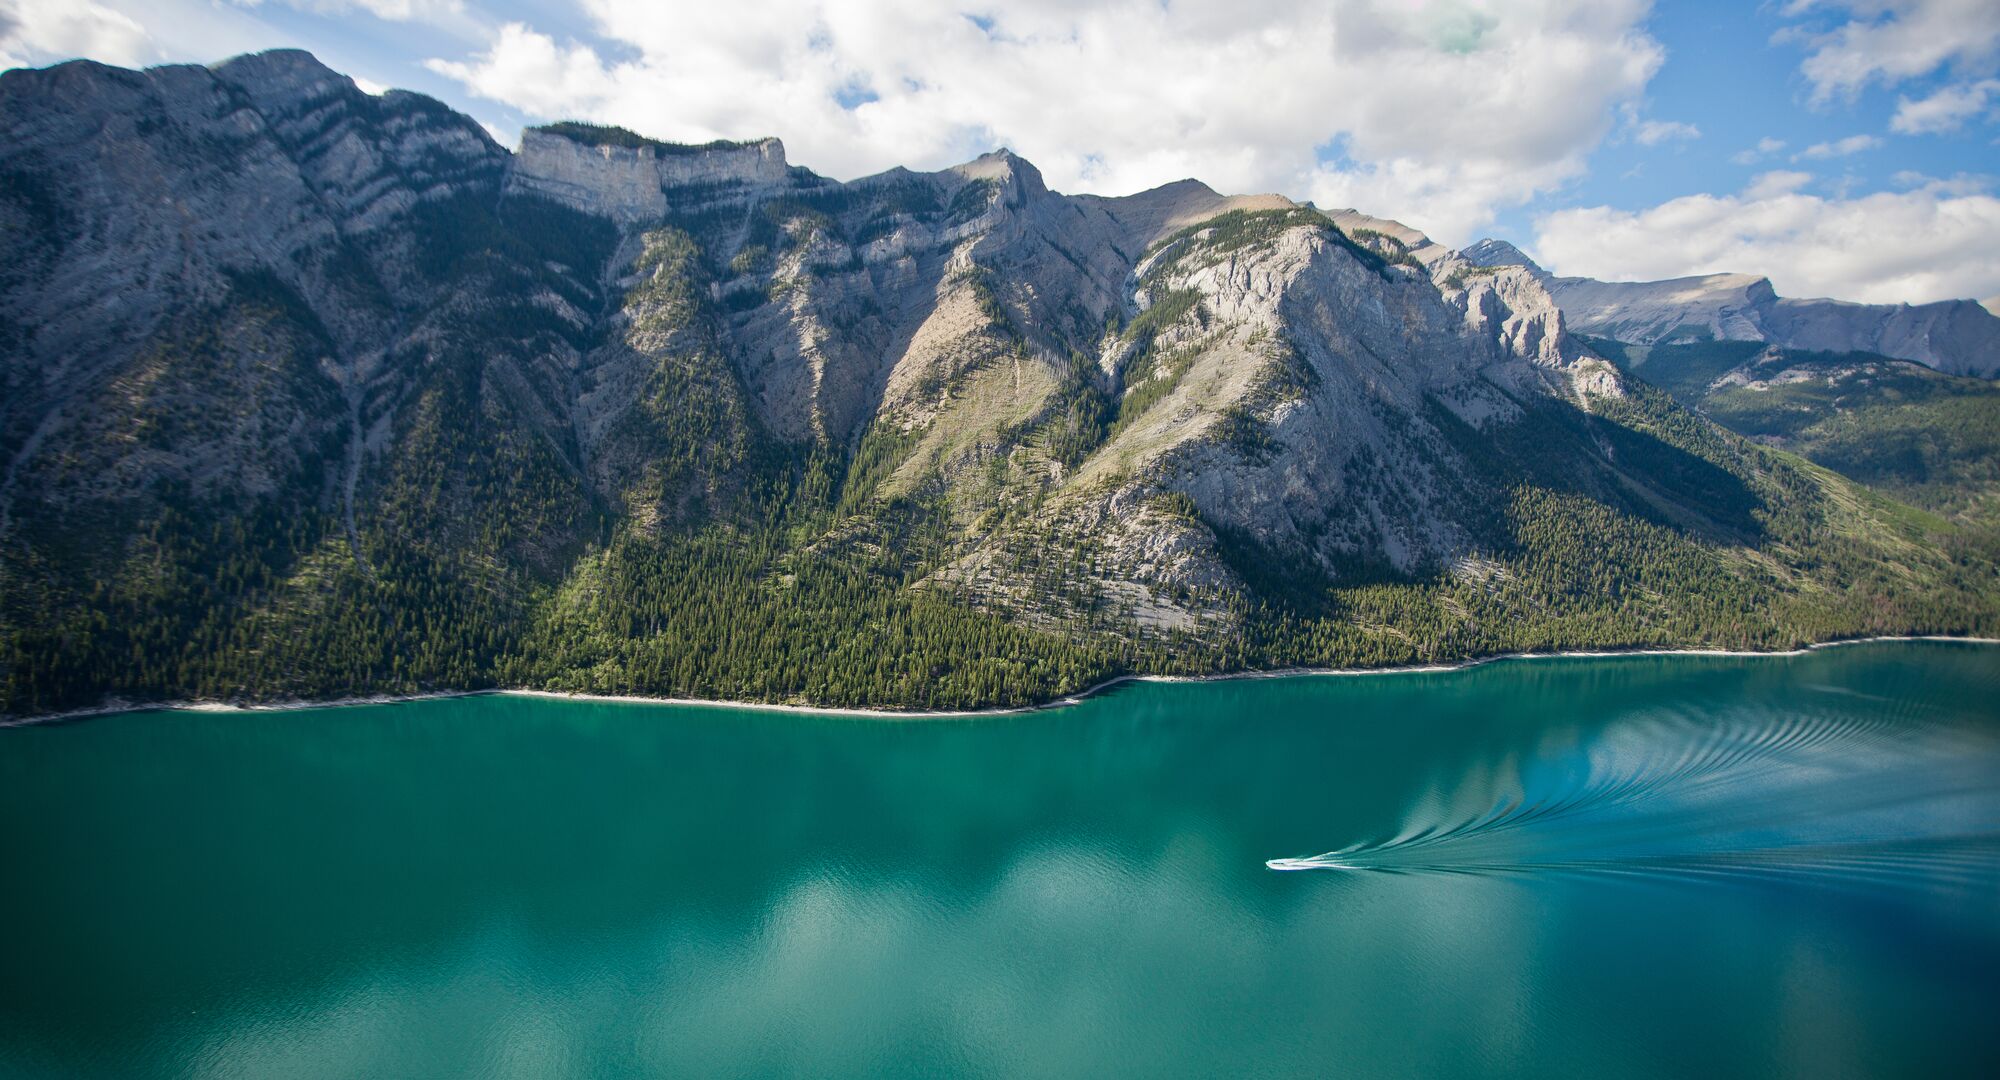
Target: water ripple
[(1822, 793)]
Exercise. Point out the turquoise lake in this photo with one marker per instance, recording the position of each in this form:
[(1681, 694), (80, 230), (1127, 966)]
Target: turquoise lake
[(1621, 867)]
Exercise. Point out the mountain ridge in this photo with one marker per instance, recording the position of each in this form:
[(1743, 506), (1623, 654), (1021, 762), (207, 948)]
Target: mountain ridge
[(316, 393), (1959, 337)]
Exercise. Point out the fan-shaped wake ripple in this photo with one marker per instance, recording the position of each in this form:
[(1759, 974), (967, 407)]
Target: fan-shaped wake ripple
[(1857, 793)]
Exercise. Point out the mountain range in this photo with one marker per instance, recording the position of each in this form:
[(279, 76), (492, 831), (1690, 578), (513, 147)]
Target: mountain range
[(311, 393), (1958, 337)]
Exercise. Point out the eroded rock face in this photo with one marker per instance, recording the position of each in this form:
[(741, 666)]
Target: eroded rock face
[(160, 231), (370, 157), (1303, 414)]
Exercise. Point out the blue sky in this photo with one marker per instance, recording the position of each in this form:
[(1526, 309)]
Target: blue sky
[(1616, 138), (1725, 75)]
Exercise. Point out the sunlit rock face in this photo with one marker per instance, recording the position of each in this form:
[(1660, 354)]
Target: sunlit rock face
[(636, 184)]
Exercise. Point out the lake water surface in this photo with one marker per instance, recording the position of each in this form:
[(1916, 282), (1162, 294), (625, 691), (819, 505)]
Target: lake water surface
[(1631, 867)]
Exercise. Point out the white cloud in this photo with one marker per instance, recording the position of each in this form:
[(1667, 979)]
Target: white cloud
[(1888, 41), (1853, 144), (34, 31), (532, 73), (1765, 147), (391, 10), (1776, 182), (1441, 111), (130, 33), (1938, 241), (1654, 132), (1946, 110), (1960, 184)]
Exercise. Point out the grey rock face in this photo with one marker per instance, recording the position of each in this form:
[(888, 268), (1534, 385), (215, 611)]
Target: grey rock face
[(1958, 337), (1304, 419), (218, 279), (631, 184)]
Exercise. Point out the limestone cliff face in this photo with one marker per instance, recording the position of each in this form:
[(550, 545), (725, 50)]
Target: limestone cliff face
[(632, 184)]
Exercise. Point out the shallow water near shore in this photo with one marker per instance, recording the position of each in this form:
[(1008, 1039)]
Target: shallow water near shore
[(1630, 866)]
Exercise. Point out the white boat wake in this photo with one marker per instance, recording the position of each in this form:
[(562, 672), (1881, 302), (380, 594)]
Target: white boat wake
[(1881, 800)]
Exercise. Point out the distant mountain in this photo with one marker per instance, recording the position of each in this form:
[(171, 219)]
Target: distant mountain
[(311, 392), (1927, 438), (1960, 337)]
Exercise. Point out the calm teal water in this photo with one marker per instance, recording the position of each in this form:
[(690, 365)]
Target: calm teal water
[(1645, 866)]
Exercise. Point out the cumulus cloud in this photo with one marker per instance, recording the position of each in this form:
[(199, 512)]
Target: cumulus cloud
[(391, 10), (1654, 132), (130, 33), (32, 31), (1960, 184), (1946, 110), (1853, 144), (1938, 241), (1435, 112), (1888, 41)]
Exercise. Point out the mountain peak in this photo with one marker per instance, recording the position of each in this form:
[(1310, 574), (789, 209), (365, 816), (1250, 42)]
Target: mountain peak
[(1491, 252), (1187, 187), (1003, 165), (288, 59), (281, 71)]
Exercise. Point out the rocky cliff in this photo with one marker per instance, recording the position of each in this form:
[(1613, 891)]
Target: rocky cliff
[(628, 179)]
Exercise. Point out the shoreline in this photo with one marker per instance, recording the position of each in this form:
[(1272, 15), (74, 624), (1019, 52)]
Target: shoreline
[(116, 707)]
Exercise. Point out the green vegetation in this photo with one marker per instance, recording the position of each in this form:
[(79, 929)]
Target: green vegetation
[(604, 135), (1685, 371), (1217, 237), (1462, 276), (1081, 416), (1392, 250), (1918, 435), (210, 605), (739, 616), (1580, 552)]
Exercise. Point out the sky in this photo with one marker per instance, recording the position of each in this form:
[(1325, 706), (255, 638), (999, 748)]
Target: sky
[(1846, 148)]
